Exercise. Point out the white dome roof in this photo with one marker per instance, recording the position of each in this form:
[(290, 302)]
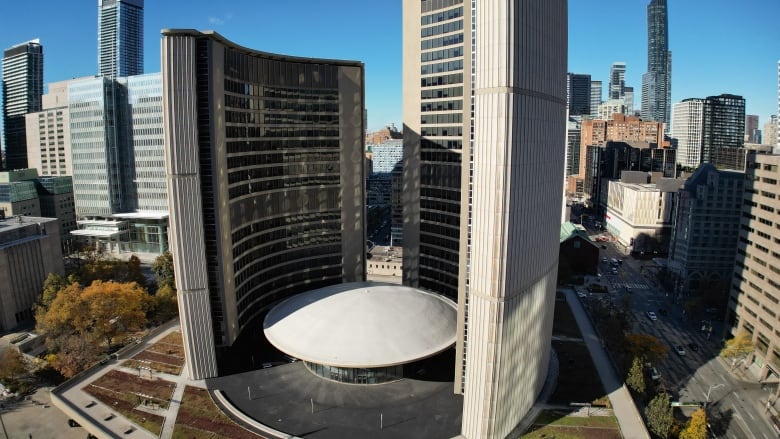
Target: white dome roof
[(362, 325)]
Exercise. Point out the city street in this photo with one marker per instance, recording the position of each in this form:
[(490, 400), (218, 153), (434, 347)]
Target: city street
[(736, 407)]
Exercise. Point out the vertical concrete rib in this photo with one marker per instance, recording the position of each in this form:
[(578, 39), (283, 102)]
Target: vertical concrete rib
[(518, 153), (184, 200)]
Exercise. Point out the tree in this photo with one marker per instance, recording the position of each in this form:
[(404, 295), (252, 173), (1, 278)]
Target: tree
[(636, 377), (103, 310), (51, 286), (129, 271), (67, 314), (115, 309), (12, 364), (660, 418), (737, 348), (646, 346), (164, 304), (163, 269), (73, 355), (697, 426)]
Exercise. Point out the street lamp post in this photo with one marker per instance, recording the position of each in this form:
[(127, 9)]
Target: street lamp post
[(714, 386)]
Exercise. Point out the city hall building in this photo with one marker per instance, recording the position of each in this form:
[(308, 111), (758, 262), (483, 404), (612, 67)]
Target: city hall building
[(265, 183)]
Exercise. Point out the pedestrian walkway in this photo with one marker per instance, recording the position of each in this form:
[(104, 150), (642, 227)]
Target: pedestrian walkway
[(79, 405), (631, 425)]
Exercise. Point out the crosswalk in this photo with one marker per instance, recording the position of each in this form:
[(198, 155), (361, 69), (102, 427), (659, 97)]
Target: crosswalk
[(633, 286)]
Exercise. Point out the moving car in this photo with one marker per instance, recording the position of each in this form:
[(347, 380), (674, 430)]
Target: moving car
[(651, 315)]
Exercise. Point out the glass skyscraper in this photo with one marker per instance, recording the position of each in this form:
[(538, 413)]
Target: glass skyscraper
[(657, 82), (120, 37), (22, 90)]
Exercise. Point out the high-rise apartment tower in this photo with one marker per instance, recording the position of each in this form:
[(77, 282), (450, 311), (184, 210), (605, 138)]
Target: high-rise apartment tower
[(120, 37), (22, 90), (484, 138)]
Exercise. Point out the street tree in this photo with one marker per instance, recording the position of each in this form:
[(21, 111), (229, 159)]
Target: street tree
[(646, 346), (696, 427), (660, 418), (636, 377), (737, 348), (12, 364)]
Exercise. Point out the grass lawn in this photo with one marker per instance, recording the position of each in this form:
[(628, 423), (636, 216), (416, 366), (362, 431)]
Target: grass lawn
[(556, 424), (200, 418)]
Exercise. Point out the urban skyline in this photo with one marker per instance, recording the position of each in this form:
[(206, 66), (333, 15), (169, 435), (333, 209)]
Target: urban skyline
[(699, 70)]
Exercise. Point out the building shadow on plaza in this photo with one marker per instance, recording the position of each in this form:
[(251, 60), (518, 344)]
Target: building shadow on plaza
[(261, 382)]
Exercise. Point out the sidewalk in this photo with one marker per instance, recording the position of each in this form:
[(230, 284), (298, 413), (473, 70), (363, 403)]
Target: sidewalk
[(628, 417), (764, 402)]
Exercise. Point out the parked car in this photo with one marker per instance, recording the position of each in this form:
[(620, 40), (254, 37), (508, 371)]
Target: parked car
[(662, 311), (651, 315), (693, 346), (680, 350), (654, 374)]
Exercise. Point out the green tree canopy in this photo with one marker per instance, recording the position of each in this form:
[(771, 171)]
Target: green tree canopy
[(51, 286), (660, 418), (636, 377), (163, 269)]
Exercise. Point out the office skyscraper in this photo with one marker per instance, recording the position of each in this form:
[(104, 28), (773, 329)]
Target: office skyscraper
[(265, 202), (22, 90), (120, 37), (483, 174), (578, 90), (657, 81)]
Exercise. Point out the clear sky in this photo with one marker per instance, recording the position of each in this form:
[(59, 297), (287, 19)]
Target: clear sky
[(718, 46)]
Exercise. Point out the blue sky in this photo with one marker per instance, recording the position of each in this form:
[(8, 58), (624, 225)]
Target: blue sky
[(718, 46)]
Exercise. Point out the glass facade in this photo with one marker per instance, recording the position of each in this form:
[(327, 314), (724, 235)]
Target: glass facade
[(120, 37), (350, 375), (441, 144), (95, 145), (22, 89), (146, 170)]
